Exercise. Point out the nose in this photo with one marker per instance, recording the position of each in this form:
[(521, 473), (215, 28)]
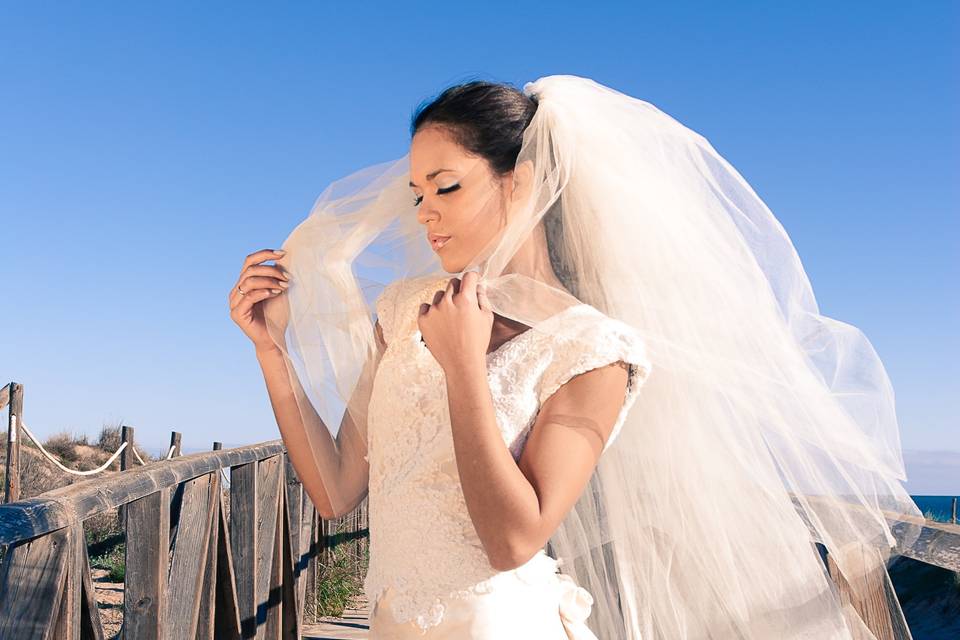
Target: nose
[(426, 214)]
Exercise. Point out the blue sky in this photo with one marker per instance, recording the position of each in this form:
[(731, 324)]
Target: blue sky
[(145, 150)]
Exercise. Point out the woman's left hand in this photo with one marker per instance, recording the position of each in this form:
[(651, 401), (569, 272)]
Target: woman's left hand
[(457, 326)]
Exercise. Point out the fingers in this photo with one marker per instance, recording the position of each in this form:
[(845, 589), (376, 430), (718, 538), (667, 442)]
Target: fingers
[(468, 287), (482, 299), (252, 268), (260, 256), (271, 270), (258, 281), (455, 287), (251, 295), (245, 302)]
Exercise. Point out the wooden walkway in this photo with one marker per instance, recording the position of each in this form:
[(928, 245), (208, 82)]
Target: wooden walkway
[(351, 626)]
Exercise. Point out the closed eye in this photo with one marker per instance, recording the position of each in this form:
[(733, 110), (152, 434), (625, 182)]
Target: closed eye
[(440, 192)]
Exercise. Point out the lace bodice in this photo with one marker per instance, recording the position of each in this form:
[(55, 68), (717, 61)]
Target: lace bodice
[(422, 540)]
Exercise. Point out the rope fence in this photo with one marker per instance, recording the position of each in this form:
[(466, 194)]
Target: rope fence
[(91, 472), (11, 398), (75, 472)]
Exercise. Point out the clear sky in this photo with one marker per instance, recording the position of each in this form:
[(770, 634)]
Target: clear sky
[(145, 150)]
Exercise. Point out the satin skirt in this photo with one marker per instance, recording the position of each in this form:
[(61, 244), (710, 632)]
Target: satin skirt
[(531, 603)]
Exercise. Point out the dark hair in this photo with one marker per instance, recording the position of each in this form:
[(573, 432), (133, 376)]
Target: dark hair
[(485, 118), (488, 120)]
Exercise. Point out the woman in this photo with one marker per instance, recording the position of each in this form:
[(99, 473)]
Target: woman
[(599, 245)]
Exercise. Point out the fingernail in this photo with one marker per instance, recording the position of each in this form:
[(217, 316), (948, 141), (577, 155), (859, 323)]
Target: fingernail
[(279, 252), (283, 284), (276, 290)]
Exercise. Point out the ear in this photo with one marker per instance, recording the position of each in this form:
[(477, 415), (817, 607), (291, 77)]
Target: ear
[(522, 181)]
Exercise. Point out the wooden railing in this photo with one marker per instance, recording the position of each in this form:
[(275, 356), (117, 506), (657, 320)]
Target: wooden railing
[(934, 543), (193, 570)]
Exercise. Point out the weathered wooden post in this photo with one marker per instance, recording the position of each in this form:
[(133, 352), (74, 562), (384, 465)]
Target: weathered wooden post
[(126, 462), (953, 509), (11, 489), (175, 437), (127, 455)]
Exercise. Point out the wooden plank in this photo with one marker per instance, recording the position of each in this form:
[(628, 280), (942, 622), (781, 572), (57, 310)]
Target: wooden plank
[(273, 622), (291, 609), (938, 543), (294, 513), (935, 543), (31, 585), (293, 507), (243, 542), (67, 626), (91, 627), (208, 592), (59, 508), (4, 395), (11, 483), (176, 495), (147, 552), (269, 482), (189, 556), (870, 601), (227, 611), (309, 559)]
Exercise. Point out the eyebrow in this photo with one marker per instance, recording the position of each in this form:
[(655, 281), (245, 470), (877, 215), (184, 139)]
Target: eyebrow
[(431, 176)]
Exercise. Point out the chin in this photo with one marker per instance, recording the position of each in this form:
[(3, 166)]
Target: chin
[(450, 266)]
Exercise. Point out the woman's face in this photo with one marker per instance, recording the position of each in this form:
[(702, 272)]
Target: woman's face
[(460, 200)]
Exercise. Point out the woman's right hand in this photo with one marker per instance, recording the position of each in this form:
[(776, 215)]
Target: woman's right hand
[(258, 282)]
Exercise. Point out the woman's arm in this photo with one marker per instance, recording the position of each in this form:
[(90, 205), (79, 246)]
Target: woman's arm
[(342, 461), (516, 508)]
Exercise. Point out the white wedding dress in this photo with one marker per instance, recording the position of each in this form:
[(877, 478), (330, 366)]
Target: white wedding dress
[(428, 575)]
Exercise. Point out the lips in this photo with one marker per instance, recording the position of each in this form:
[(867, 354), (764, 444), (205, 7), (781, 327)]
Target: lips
[(437, 241)]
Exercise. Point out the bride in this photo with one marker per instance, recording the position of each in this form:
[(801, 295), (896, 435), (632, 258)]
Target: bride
[(462, 335)]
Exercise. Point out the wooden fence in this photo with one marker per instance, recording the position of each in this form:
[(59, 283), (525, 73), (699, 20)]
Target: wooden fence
[(202, 562), (199, 563), (936, 543)]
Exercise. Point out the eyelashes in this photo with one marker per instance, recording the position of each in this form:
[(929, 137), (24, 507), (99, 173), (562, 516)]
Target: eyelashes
[(440, 192)]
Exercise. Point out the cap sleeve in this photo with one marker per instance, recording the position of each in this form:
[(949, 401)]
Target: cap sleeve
[(602, 342)]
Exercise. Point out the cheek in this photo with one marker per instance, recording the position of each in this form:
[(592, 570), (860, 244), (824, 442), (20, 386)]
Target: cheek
[(473, 226)]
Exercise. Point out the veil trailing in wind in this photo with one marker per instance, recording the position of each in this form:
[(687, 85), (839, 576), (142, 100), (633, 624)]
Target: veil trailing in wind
[(762, 428)]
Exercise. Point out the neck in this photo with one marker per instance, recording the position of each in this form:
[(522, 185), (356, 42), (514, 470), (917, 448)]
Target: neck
[(532, 260)]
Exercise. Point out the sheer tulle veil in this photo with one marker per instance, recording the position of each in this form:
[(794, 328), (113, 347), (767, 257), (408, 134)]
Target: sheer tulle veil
[(763, 426)]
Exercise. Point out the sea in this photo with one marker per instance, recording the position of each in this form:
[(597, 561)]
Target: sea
[(936, 507)]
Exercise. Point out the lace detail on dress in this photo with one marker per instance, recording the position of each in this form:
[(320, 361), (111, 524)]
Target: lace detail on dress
[(422, 540)]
